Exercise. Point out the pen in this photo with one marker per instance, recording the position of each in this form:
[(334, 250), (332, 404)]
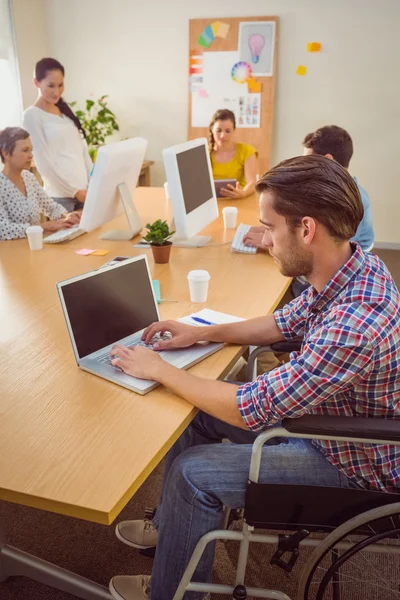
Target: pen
[(203, 321)]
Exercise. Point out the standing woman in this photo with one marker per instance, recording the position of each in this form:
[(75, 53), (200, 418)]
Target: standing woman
[(58, 138), (231, 159)]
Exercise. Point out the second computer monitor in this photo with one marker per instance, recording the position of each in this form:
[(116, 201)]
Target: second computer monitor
[(191, 189), (112, 185)]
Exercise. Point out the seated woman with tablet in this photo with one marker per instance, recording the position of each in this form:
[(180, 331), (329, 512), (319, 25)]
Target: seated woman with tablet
[(22, 199), (234, 164)]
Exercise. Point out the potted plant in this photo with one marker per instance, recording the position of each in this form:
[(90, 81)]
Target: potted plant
[(98, 121), (157, 236)]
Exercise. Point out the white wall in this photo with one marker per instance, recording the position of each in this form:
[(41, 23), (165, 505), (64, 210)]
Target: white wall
[(138, 53), (31, 33)]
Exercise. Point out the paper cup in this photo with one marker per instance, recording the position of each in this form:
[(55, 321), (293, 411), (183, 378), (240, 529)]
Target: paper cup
[(230, 216), (34, 234), (198, 285)]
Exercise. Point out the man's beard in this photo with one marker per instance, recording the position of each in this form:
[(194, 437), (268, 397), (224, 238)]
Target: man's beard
[(295, 264)]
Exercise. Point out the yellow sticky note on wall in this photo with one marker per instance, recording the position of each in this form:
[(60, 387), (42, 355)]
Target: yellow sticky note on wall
[(314, 47), (215, 28), (301, 70)]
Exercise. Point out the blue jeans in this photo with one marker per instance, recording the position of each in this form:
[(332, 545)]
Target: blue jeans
[(202, 475)]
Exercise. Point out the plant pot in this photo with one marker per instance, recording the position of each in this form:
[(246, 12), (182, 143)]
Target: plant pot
[(161, 253)]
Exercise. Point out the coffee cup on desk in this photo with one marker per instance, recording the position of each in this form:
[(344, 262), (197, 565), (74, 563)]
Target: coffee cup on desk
[(230, 215), (34, 234), (198, 285)]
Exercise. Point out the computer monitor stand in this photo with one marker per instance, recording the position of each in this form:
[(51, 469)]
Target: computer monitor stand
[(197, 241), (135, 225)]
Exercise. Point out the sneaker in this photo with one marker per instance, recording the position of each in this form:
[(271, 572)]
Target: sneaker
[(138, 534), (128, 587)]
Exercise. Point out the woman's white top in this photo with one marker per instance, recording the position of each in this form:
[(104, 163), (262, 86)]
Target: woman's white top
[(18, 212), (61, 154)]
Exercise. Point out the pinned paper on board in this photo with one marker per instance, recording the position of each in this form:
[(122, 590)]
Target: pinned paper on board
[(301, 70), (314, 47), (241, 72), (212, 31), (253, 86), (256, 46), (84, 251)]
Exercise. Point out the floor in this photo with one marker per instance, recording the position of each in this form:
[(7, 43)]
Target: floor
[(93, 550)]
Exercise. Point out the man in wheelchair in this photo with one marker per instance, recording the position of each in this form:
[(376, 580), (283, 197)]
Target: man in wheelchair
[(348, 365)]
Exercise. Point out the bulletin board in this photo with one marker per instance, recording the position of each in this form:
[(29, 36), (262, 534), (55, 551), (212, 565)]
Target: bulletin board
[(232, 64)]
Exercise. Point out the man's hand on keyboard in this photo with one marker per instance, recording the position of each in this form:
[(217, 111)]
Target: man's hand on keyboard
[(182, 335), (137, 361), (232, 191), (254, 238)]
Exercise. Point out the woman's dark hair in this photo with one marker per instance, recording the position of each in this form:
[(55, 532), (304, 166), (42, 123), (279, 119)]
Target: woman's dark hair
[(333, 140), (51, 64), (9, 137), (221, 115), (318, 187)]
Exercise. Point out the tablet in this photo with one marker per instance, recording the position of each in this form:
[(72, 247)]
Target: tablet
[(222, 183)]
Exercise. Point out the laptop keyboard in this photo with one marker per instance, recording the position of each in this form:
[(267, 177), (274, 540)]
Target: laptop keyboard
[(106, 358)]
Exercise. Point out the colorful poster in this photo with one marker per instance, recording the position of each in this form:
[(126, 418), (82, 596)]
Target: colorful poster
[(256, 46)]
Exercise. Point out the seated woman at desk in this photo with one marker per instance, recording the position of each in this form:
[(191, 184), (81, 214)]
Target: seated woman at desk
[(22, 199), (60, 150), (230, 159)]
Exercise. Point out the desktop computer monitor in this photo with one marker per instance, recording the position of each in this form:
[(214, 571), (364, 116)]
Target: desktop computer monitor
[(112, 184), (191, 189)]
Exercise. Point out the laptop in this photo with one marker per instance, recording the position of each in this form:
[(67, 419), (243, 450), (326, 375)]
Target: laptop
[(115, 305)]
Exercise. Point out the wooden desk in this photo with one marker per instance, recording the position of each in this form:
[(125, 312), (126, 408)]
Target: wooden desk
[(74, 443), (144, 177)]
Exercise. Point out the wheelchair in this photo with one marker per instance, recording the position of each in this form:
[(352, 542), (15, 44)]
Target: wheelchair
[(353, 520)]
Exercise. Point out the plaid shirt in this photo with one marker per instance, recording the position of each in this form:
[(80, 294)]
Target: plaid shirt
[(349, 365)]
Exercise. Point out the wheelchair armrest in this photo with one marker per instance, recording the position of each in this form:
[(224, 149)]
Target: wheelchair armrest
[(284, 346), (356, 427), (287, 346)]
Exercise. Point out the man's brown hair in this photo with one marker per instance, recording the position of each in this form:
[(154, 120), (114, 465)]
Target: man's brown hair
[(317, 187), (332, 140)]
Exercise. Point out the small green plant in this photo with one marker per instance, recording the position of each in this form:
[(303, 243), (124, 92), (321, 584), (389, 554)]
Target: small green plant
[(98, 121), (158, 233)]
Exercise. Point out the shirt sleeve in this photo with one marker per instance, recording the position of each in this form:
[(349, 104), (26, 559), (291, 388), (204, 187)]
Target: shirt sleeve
[(49, 207), (332, 361), (292, 318), (43, 160), (248, 151), (86, 158)]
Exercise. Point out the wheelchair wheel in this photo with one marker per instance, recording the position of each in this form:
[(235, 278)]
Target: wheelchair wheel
[(360, 560)]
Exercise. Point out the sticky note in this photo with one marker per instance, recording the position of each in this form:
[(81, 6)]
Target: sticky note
[(223, 30), (100, 252), (195, 70), (203, 42), (215, 27), (196, 62), (84, 251), (157, 293), (314, 47), (202, 93), (301, 70), (253, 86), (208, 33)]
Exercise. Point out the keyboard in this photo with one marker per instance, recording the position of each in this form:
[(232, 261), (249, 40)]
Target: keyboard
[(237, 243), (107, 358), (64, 235)]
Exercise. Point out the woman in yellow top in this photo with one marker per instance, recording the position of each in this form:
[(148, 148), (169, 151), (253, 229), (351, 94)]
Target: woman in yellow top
[(230, 159)]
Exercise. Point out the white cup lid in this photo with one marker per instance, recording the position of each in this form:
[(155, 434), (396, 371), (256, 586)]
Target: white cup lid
[(34, 229), (199, 275), (230, 209)]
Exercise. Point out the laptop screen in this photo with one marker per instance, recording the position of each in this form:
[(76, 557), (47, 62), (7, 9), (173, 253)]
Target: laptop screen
[(109, 306)]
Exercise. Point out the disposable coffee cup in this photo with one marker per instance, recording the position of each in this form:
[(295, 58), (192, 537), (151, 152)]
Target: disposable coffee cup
[(34, 234), (166, 190), (198, 285), (230, 216)]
